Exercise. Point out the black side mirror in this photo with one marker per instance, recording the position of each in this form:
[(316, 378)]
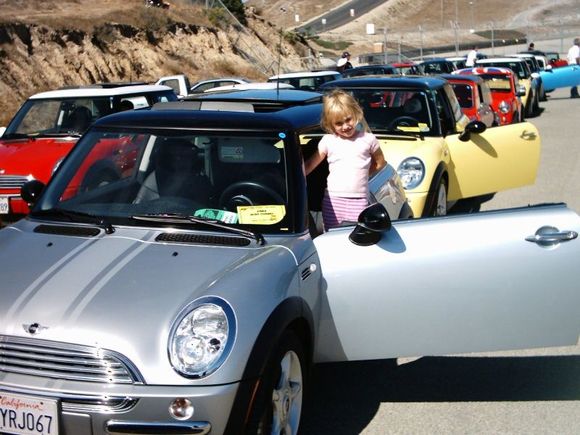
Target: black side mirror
[(372, 221), (472, 127), (31, 191)]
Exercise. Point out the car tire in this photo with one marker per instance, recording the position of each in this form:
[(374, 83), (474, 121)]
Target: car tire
[(278, 404), (440, 201)]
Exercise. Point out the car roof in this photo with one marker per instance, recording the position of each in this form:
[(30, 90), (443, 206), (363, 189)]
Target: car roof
[(250, 85), (292, 118), (220, 79), (100, 91), (304, 74), (485, 70), (501, 59), (412, 82), (463, 78), (289, 95)]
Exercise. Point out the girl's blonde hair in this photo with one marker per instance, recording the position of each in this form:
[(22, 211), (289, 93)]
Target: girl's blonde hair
[(339, 104)]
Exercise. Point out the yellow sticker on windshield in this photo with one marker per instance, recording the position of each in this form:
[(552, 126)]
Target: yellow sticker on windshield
[(261, 214)]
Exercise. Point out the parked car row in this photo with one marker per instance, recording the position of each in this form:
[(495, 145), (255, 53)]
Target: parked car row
[(206, 232)]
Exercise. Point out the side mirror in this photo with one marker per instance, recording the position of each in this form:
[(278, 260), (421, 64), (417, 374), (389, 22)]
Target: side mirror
[(535, 75), (31, 191), (548, 68), (521, 91), (473, 127), (372, 221)]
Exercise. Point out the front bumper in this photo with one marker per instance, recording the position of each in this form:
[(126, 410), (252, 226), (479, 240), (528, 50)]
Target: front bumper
[(142, 409)]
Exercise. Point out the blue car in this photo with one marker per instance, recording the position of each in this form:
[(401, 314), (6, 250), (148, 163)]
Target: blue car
[(563, 77)]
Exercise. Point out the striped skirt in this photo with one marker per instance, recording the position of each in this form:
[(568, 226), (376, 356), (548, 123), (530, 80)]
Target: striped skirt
[(336, 209)]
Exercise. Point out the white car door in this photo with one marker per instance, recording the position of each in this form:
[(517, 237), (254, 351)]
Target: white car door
[(454, 284)]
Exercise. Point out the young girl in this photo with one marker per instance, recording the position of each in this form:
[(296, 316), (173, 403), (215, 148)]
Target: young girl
[(353, 153)]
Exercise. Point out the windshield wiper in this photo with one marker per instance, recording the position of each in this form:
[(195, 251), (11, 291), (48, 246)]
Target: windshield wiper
[(73, 215), (398, 132), (179, 218)]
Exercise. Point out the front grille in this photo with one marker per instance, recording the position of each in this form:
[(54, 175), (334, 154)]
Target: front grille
[(65, 361), (13, 181)]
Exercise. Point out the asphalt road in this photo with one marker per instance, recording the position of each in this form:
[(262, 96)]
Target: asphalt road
[(339, 16), (523, 392)]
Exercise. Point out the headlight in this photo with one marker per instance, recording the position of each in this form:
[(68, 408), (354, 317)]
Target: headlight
[(202, 337), (504, 107), (411, 171)]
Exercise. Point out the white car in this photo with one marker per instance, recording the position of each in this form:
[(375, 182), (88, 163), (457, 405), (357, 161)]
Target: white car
[(306, 80)]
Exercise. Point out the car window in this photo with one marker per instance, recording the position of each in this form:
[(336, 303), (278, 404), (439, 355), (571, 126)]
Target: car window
[(236, 178), (392, 109), (464, 94), (172, 83), (455, 107)]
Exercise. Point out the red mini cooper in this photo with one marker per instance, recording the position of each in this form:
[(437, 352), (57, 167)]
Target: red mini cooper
[(47, 126), (474, 97), (505, 91)]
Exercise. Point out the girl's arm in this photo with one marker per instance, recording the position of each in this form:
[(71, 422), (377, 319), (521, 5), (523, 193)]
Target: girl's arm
[(377, 161), (313, 161)]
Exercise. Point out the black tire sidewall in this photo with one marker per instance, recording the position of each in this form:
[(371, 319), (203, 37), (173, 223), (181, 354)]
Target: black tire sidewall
[(262, 406)]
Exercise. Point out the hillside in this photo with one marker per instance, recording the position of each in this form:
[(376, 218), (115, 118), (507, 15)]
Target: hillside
[(50, 44)]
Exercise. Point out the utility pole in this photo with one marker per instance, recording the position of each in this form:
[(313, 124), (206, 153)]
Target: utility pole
[(385, 54), (420, 42)]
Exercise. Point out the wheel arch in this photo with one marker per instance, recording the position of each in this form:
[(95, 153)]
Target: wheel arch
[(292, 314), (439, 174)]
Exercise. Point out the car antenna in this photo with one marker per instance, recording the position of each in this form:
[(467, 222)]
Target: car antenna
[(283, 9)]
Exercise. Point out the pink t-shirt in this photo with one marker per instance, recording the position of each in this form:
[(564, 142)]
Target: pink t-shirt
[(349, 161)]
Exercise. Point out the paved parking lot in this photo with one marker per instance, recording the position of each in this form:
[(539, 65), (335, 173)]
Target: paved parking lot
[(523, 392)]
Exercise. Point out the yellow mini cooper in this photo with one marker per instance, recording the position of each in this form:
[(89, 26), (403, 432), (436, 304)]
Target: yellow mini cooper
[(440, 156)]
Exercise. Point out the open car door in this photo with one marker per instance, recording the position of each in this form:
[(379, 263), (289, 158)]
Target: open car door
[(489, 281), (498, 159)]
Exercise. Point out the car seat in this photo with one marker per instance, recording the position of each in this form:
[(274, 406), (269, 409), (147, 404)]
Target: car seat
[(80, 119), (177, 173)]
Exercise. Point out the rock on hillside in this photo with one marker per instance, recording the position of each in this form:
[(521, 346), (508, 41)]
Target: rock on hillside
[(37, 57)]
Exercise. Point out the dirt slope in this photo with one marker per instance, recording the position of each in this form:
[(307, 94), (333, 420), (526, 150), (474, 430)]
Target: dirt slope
[(49, 44)]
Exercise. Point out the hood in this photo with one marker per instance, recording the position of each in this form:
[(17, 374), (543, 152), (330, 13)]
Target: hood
[(119, 292), (33, 156)]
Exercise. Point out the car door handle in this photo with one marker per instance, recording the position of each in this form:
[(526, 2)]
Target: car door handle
[(550, 236)]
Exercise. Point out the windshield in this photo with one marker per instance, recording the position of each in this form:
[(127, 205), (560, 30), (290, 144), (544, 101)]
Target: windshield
[(516, 66), (123, 176), (498, 83), (73, 116), (395, 110)]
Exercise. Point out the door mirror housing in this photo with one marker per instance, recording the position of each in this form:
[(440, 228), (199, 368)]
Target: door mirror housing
[(31, 191), (521, 91), (372, 221), (473, 127)]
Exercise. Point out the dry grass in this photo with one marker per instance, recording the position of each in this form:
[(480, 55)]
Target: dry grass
[(85, 15)]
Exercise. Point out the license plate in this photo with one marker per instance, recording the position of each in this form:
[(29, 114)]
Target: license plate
[(28, 415), (4, 206)]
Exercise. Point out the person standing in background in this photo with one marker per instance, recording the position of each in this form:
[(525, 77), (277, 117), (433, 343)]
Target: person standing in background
[(471, 57), (574, 59)]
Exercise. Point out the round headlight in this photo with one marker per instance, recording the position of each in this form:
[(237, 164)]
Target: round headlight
[(411, 171), (202, 337), (504, 107)]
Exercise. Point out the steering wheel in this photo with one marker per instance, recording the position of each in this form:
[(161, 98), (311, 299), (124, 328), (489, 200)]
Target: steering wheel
[(248, 193), (403, 121)]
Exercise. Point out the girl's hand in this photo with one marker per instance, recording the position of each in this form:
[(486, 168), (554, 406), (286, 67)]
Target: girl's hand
[(378, 161)]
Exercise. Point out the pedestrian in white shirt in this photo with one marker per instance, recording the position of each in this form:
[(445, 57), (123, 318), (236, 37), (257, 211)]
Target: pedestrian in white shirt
[(574, 59), (471, 57)]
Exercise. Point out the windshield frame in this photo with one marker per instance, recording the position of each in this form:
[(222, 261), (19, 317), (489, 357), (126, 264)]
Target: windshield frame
[(51, 197)]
